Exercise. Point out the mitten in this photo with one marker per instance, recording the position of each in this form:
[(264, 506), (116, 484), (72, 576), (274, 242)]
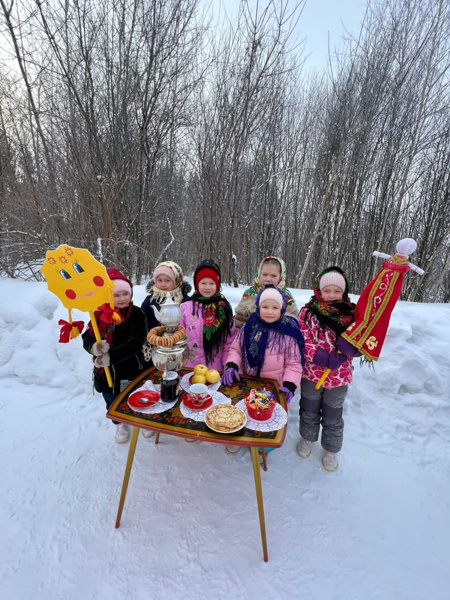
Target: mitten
[(321, 358), (100, 348), (328, 360), (345, 347), (288, 395), (102, 361), (230, 376), (336, 360)]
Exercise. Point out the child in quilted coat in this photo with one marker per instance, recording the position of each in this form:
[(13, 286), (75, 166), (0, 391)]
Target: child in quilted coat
[(272, 270), (270, 345), (326, 316), (208, 319)]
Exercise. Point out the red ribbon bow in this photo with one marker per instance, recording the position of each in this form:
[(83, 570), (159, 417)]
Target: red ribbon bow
[(109, 315), (69, 330)]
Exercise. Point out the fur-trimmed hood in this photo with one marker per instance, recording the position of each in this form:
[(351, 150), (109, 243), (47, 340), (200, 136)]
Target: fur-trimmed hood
[(186, 287)]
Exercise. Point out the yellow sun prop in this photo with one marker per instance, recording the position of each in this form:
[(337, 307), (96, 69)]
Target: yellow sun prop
[(80, 282)]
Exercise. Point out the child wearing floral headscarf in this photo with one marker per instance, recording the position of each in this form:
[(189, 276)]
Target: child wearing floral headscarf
[(208, 319), (167, 277), (272, 270), (322, 321)]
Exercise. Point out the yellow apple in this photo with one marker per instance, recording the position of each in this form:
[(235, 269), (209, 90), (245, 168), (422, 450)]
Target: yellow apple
[(198, 379), (212, 376), (200, 370)]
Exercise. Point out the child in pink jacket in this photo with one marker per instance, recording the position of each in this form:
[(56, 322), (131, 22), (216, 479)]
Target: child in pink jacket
[(269, 345), (326, 316), (208, 319)]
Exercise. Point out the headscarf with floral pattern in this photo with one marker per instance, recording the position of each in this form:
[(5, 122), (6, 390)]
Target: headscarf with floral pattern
[(217, 312), (337, 315), (172, 270)]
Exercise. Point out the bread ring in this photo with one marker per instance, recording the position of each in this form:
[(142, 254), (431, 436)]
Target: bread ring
[(154, 337)]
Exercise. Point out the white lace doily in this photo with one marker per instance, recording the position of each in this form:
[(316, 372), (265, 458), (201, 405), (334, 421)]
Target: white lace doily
[(278, 420), (159, 407), (199, 415), (212, 387)]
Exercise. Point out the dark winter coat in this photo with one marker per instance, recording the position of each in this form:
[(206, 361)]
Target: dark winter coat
[(126, 358), (149, 302)]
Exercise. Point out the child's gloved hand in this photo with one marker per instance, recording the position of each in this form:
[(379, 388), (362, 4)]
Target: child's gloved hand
[(288, 395), (230, 376), (100, 348), (346, 348), (328, 360), (336, 360), (102, 361)]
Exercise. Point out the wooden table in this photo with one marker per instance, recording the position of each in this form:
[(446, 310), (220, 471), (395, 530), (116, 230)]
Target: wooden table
[(172, 422)]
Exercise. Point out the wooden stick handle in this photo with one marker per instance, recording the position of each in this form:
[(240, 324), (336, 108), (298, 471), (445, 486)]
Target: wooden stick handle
[(99, 340), (322, 379)]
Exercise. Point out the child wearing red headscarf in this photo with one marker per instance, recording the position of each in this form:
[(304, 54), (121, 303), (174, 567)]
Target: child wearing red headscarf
[(208, 319), (123, 335)]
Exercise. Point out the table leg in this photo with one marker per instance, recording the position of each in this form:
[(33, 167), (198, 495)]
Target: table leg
[(157, 438), (259, 499), (126, 477)]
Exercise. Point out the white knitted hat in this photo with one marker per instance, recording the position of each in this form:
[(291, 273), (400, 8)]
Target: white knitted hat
[(332, 278), (271, 294), (120, 285)]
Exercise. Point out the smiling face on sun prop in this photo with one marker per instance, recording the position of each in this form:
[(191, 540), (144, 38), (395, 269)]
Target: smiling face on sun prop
[(77, 279)]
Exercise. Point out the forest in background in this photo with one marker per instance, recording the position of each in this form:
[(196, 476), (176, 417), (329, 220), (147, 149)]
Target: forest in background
[(146, 130)]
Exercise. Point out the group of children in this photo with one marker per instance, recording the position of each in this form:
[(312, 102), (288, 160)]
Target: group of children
[(267, 336)]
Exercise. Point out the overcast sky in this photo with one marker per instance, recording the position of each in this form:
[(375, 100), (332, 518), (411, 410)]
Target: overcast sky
[(320, 19)]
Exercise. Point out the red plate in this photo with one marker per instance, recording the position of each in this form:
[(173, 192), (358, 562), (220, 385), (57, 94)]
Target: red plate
[(143, 399), (187, 401)]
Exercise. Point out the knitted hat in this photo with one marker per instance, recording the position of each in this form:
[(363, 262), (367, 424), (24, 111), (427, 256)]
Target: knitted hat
[(207, 269), (121, 283), (271, 293), (171, 270), (332, 278)]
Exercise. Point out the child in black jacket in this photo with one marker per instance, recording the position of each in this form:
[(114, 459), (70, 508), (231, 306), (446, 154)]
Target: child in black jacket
[(121, 345)]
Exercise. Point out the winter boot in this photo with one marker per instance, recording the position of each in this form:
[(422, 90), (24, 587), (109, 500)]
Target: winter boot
[(147, 433), (122, 433), (304, 448), (232, 449), (330, 461)]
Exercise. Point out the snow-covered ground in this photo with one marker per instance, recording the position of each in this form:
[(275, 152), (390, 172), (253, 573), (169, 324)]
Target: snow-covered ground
[(378, 529)]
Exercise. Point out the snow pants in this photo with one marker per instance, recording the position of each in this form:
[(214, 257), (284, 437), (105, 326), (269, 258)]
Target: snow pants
[(322, 407), (109, 399)]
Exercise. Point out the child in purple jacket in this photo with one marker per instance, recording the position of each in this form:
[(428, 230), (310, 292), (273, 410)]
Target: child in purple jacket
[(208, 319)]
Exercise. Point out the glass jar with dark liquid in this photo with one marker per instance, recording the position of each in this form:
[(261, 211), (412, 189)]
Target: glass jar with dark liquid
[(169, 386)]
